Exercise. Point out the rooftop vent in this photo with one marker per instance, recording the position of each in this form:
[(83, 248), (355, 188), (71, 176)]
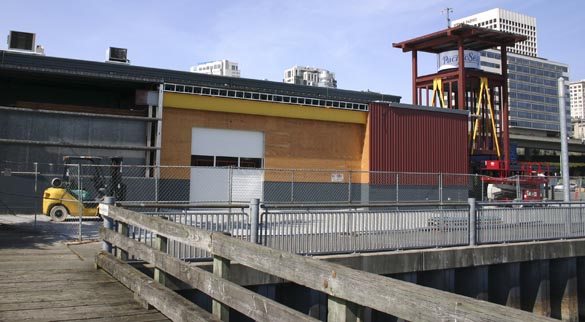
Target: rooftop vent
[(119, 55), (21, 41)]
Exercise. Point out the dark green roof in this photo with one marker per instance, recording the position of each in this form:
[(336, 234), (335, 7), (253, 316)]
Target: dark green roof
[(55, 66)]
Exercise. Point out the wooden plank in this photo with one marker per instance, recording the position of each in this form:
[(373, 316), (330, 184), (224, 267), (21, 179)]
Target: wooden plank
[(169, 303), (60, 265), (71, 312), (57, 286), (33, 252), (69, 295), (43, 280), (109, 299), (27, 258), (44, 276), (405, 300), (237, 297), (138, 317), (144, 317)]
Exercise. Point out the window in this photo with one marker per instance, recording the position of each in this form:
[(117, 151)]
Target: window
[(226, 161), (202, 161), (250, 163)]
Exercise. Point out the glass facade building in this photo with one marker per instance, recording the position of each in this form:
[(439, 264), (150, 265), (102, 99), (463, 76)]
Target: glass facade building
[(533, 90)]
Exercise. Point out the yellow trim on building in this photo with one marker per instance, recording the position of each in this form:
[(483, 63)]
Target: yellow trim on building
[(230, 105)]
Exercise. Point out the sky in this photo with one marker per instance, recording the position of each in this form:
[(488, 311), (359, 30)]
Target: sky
[(353, 39)]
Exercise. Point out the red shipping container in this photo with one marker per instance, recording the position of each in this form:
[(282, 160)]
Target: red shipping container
[(410, 138)]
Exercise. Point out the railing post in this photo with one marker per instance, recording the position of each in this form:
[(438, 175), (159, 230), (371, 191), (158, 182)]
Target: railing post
[(108, 223), (472, 227), (341, 310), (221, 268), (254, 218), (123, 230), (160, 244)]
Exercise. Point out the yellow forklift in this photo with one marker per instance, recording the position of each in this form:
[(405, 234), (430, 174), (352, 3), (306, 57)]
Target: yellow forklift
[(62, 199)]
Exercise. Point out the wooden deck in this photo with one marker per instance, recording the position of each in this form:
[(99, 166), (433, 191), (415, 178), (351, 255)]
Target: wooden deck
[(43, 278)]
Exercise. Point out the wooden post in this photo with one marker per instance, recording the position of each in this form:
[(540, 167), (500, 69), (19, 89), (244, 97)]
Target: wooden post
[(221, 268), (160, 244), (123, 230), (341, 310)]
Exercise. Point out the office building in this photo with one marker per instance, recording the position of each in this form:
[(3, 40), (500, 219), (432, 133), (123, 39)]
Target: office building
[(219, 67), (532, 81), (507, 21), (533, 90), (577, 95), (310, 76)]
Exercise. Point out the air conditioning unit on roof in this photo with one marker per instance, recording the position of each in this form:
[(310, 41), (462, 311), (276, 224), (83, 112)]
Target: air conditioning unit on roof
[(21, 41), (119, 55)]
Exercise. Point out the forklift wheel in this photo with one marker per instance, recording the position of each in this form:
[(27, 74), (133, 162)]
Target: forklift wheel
[(58, 213)]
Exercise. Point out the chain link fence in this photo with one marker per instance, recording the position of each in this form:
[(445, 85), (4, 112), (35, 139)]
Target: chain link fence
[(23, 185)]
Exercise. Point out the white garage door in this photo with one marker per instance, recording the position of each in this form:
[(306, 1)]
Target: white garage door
[(216, 183)]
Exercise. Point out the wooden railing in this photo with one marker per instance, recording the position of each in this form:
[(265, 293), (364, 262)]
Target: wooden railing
[(347, 288)]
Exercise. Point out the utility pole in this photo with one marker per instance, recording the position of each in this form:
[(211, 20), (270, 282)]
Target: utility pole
[(446, 11)]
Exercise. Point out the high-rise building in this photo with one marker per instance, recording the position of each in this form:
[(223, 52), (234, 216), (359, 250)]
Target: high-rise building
[(532, 90), (507, 21), (310, 76), (219, 67), (532, 81), (577, 97)]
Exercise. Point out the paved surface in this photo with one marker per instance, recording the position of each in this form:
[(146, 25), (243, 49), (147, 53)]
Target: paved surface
[(44, 276)]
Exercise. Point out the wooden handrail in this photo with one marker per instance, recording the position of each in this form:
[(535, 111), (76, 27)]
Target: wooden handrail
[(398, 298)]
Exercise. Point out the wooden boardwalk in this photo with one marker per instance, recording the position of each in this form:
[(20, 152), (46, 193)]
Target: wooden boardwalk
[(42, 278)]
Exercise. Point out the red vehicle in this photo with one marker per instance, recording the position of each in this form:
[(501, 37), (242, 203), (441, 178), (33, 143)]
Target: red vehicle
[(524, 181)]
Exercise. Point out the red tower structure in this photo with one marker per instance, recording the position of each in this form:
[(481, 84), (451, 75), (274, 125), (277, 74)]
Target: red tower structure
[(460, 84)]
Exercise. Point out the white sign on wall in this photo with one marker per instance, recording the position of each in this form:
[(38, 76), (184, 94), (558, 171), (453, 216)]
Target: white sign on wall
[(450, 59)]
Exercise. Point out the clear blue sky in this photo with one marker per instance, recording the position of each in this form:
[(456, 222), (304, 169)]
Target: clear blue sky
[(351, 38)]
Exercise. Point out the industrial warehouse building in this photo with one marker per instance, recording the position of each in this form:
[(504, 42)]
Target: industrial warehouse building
[(53, 107)]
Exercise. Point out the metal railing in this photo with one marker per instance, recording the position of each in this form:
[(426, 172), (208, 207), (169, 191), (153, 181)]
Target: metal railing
[(231, 219), (327, 230), (344, 228), (516, 222)]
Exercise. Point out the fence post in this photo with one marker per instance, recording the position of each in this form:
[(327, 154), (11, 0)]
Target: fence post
[(441, 188), (80, 197), (349, 188), (221, 268), (108, 223), (254, 216), (36, 193), (292, 186), (397, 184), (471, 223)]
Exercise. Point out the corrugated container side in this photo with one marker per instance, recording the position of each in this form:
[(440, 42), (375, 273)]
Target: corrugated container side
[(416, 140)]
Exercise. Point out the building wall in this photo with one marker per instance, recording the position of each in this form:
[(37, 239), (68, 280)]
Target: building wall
[(577, 97), (292, 140), (533, 90), (418, 139), (507, 21), (219, 67)]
